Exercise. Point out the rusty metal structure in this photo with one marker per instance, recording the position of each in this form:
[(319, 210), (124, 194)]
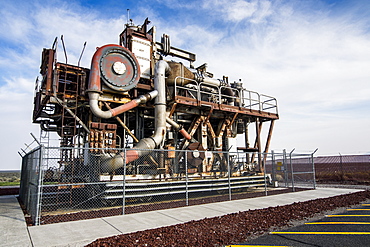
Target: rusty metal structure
[(134, 97)]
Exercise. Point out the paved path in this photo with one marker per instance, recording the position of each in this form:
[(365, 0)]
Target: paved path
[(13, 228), (14, 231)]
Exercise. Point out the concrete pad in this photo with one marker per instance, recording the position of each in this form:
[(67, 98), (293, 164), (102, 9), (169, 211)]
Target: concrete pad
[(226, 207), (236, 206), (77, 233), (264, 202), (141, 221), (320, 193), (329, 192), (190, 213), (13, 227)]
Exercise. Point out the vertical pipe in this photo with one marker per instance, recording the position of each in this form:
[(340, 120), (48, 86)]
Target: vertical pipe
[(39, 187), (161, 68)]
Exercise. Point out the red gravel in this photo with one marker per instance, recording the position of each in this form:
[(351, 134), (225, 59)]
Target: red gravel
[(231, 228), (48, 219)]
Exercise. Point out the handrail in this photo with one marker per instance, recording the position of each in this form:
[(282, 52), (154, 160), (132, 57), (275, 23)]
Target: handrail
[(269, 105), (200, 92), (180, 77), (247, 98), (229, 96), (251, 99)]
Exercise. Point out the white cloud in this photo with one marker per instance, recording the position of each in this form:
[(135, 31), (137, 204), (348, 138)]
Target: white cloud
[(237, 10), (317, 67), (20, 63), (14, 24), (316, 64)]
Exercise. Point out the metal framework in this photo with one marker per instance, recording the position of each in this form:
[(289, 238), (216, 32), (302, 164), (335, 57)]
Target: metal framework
[(133, 98)]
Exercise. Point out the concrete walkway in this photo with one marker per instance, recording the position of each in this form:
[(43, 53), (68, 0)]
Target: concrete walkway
[(14, 232), (13, 227)]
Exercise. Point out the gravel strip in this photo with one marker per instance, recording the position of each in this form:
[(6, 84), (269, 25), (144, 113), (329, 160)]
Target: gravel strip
[(234, 228)]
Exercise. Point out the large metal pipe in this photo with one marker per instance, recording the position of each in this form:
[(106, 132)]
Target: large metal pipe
[(145, 145), (94, 87), (120, 71), (94, 79), (179, 128), (94, 104), (210, 81)]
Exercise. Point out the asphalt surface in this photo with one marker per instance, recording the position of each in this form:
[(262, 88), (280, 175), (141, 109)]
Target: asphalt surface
[(348, 228)]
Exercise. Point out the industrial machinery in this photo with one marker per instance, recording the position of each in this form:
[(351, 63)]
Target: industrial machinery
[(134, 98)]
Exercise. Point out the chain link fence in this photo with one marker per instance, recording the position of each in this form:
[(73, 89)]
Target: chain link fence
[(291, 169), (31, 181), (63, 184), (351, 169)]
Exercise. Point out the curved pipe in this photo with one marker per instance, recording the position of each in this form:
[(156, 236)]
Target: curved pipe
[(94, 89), (94, 79), (179, 128), (161, 68), (145, 145), (94, 104), (45, 126)]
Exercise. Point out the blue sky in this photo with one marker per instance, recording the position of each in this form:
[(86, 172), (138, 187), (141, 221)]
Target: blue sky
[(312, 55)]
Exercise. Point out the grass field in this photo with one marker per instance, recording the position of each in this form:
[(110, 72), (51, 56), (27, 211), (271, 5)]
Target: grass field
[(10, 178)]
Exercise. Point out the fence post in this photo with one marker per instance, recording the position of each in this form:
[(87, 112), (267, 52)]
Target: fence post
[(313, 169), (341, 167), (264, 173), (228, 176), (285, 168), (39, 189), (124, 183), (273, 168), (24, 179), (186, 178), (291, 169)]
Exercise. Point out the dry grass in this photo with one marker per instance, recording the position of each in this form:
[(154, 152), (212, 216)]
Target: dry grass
[(9, 178)]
